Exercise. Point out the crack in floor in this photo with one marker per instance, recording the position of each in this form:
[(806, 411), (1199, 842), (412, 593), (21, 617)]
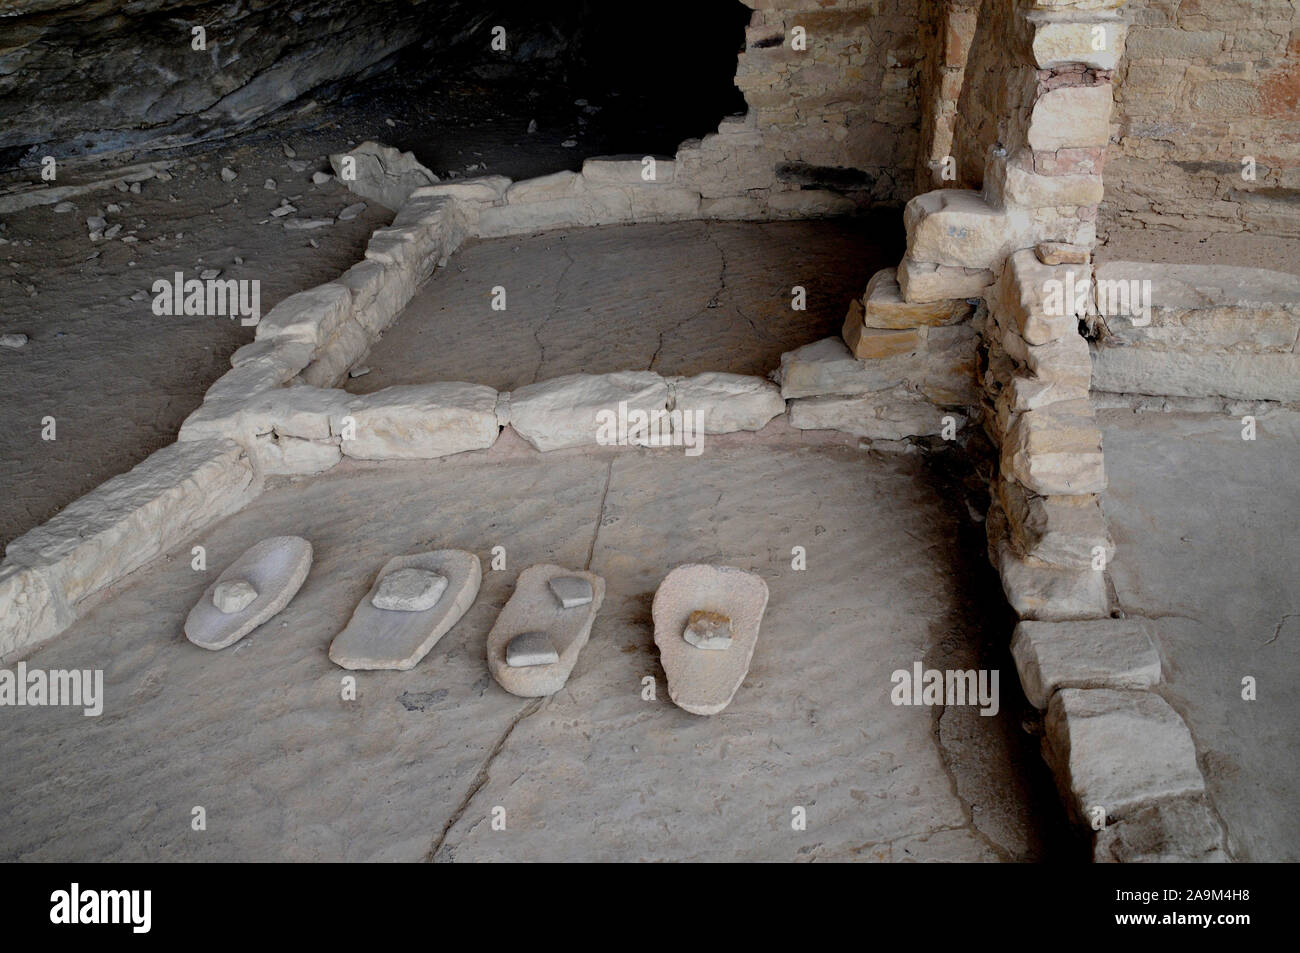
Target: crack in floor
[(485, 770), (481, 778), (555, 306)]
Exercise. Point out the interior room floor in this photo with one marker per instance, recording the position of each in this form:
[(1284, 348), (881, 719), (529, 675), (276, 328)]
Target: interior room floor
[(260, 737), (678, 298), (1206, 535)]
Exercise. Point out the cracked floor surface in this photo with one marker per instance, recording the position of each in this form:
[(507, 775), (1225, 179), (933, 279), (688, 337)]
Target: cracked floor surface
[(259, 736), (677, 298), (1207, 543)]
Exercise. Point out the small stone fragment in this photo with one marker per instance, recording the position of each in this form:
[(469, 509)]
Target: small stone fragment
[(269, 185), (320, 178), (64, 207), (288, 150), (352, 211), (233, 596), (14, 340), (228, 174), (531, 648), (359, 372), (1062, 253), (283, 210), (112, 230), (297, 165), (208, 274), (708, 630), (409, 590), (571, 591)]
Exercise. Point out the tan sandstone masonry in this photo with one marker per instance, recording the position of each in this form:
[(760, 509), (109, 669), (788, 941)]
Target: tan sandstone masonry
[(1018, 254)]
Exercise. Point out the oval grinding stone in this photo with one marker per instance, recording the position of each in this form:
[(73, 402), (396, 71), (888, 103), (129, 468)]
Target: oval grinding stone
[(276, 568), (396, 639), (701, 681), (534, 607)]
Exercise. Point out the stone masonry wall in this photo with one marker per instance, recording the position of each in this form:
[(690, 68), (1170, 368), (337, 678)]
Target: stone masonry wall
[(1205, 83), (845, 112)]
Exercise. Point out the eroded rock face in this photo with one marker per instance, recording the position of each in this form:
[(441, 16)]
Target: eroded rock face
[(89, 77)]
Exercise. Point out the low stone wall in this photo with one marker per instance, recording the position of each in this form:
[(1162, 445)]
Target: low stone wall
[(1196, 331)]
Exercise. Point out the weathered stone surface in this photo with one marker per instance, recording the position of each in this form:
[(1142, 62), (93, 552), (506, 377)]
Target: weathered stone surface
[(419, 421), (571, 591), (1168, 831), (1037, 591), (956, 227), (809, 203), (1058, 530), (136, 516), (567, 411), (943, 371), (311, 316), (923, 281), (410, 589), (704, 682), (533, 608), (383, 174), (413, 250), (1061, 253), (277, 455), (380, 638), (710, 631), (1071, 117), (1018, 184), (1100, 653), (883, 306), (1142, 370), (346, 348), (1117, 750), (1056, 450), (379, 292), (1040, 302), (233, 595), (1198, 308), (531, 648), (276, 569), (892, 414), (32, 608), (531, 216), (725, 403), (625, 170), (486, 188), (1061, 39), (545, 188)]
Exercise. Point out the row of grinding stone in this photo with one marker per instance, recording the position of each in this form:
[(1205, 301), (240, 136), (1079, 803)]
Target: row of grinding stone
[(706, 618)]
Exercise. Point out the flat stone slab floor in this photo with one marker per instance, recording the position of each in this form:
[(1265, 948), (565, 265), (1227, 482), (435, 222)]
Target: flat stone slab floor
[(679, 298), (1207, 545), (811, 761)]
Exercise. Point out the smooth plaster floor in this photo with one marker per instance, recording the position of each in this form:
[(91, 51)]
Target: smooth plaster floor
[(259, 736), (1208, 540), (678, 298)]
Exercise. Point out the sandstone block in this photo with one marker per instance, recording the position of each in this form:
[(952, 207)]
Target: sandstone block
[(1056, 450), (1071, 117), (1118, 750), (1096, 653), (724, 403), (382, 174), (567, 411), (420, 421), (884, 306), (928, 282)]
